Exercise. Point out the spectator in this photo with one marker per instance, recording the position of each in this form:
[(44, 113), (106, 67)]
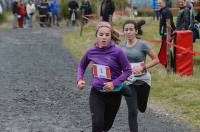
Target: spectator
[(165, 14), (30, 9), (190, 5), (155, 7), (44, 13), (86, 9), (55, 12), (106, 11), (193, 28), (15, 13), (73, 7), (21, 13), (183, 17)]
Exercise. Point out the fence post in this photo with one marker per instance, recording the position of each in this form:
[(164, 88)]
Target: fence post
[(169, 66)]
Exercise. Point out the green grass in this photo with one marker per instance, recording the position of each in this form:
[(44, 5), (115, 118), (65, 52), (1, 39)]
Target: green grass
[(175, 94), (78, 44), (5, 23)]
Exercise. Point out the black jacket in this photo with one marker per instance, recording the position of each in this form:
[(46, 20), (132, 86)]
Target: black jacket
[(14, 7), (86, 8), (183, 19), (107, 9), (44, 9), (73, 5), (165, 14)]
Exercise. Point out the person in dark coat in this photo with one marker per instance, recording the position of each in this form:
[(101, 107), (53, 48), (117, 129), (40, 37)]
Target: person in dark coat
[(107, 10), (183, 17), (15, 13), (165, 14), (73, 5), (86, 9), (44, 13)]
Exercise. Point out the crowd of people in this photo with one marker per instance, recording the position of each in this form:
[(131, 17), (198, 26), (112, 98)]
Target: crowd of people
[(187, 19), (47, 11), (24, 12)]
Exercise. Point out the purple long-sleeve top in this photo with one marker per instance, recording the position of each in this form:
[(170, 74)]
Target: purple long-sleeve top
[(111, 56)]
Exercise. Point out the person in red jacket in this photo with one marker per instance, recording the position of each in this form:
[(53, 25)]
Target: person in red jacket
[(21, 13)]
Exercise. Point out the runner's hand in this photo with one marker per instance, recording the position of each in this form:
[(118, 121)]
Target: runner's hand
[(80, 84), (139, 69), (108, 86)]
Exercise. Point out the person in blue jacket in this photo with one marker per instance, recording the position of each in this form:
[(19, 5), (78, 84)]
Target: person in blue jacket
[(155, 8), (55, 12)]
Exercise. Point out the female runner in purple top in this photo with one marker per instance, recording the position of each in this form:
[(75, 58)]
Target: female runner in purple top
[(110, 69)]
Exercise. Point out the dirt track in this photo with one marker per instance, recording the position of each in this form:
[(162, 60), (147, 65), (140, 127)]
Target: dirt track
[(38, 93)]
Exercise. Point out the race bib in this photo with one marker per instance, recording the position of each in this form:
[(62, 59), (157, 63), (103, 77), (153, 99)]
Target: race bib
[(137, 65), (101, 71)]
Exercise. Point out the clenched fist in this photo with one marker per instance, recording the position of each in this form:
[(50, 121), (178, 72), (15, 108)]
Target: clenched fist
[(80, 84)]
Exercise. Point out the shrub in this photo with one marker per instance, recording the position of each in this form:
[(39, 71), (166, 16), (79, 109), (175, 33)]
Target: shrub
[(2, 17), (63, 9)]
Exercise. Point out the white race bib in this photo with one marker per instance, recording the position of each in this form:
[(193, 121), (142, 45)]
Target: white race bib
[(137, 65), (101, 71)]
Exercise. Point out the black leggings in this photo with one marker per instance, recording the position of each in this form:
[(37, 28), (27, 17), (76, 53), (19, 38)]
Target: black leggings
[(138, 100), (103, 107)]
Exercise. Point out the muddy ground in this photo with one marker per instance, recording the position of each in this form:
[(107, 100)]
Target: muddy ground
[(38, 91)]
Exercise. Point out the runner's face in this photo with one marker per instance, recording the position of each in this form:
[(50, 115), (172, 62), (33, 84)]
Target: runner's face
[(130, 32), (103, 36)]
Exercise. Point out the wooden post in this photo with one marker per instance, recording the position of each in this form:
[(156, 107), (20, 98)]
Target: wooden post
[(169, 47)]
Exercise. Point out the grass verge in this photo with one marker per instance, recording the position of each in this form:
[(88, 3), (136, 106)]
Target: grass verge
[(6, 23)]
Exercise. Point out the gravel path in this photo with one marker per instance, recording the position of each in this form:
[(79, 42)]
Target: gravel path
[(38, 93)]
